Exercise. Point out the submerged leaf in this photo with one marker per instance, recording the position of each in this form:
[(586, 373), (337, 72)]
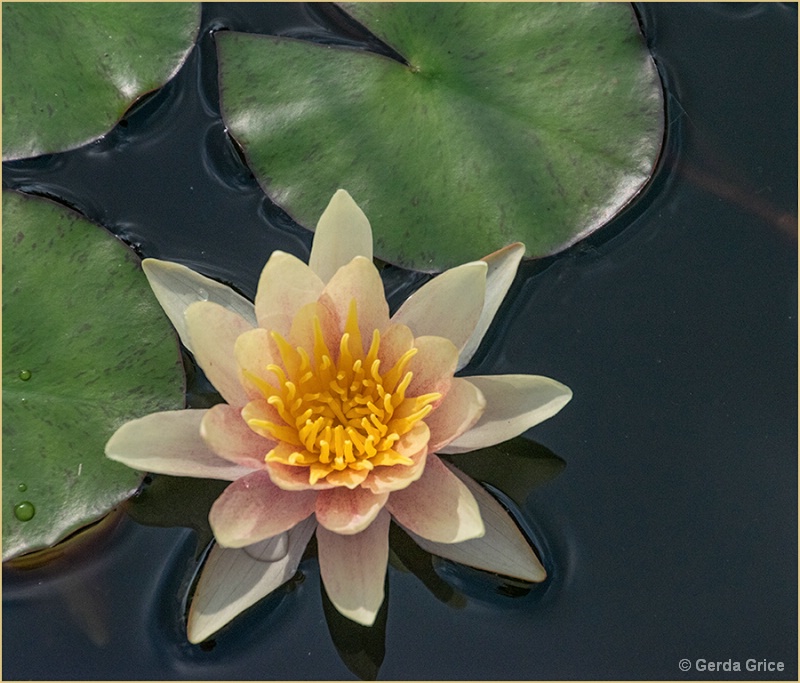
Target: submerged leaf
[(85, 348), (532, 122)]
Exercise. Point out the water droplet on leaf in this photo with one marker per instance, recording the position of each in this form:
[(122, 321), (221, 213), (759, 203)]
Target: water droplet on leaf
[(24, 511), (22, 488), (24, 375)]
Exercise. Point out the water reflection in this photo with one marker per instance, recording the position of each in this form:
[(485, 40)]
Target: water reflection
[(519, 465)]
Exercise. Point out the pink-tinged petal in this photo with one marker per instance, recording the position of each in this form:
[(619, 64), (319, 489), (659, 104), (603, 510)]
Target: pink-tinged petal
[(343, 232), (388, 479), (514, 403), (254, 351), (302, 333), (413, 445), (395, 341), (413, 441), (233, 579), (438, 507), (253, 508), (503, 266), (286, 284), (358, 281), (347, 511), (433, 366), (502, 549), (170, 443), (353, 569), (449, 306), (214, 331), (261, 410), (177, 287), (293, 478), (227, 434), (458, 412)]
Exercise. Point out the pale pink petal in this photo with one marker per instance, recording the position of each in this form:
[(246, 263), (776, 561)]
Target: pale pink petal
[(177, 287), (293, 477), (347, 511), (459, 411), (358, 281), (353, 569), (388, 479), (233, 579), (503, 266), (395, 341), (227, 434), (302, 333), (286, 284), (254, 351), (170, 443), (432, 366), (438, 506), (449, 306), (413, 445), (253, 508), (261, 410), (413, 441), (514, 403), (214, 331), (343, 232), (502, 549)]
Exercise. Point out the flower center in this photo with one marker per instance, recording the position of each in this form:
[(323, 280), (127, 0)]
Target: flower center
[(341, 415)]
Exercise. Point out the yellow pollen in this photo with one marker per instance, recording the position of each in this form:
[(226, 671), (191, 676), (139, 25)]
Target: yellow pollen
[(339, 413)]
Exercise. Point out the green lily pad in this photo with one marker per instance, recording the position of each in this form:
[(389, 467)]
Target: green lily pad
[(70, 70), (86, 347), (535, 122)]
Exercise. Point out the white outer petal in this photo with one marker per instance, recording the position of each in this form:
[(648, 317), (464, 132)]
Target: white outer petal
[(170, 443), (448, 306), (438, 506), (177, 287), (285, 286), (233, 579), (353, 569), (343, 232), (502, 549), (514, 403), (503, 266)]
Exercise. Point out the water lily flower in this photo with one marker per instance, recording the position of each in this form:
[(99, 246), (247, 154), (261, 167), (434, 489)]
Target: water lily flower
[(334, 412)]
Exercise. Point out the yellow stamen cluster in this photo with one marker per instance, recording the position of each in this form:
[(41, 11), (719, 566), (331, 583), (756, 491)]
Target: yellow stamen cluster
[(342, 416)]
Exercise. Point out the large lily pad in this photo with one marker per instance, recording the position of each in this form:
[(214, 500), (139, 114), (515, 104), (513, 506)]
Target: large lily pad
[(512, 121), (70, 70), (86, 347)]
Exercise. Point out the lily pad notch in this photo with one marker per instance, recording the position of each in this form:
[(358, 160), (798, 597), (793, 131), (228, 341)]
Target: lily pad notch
[(531, 122)]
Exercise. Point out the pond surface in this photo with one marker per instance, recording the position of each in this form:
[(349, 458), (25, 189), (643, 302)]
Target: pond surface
[(672, 531)]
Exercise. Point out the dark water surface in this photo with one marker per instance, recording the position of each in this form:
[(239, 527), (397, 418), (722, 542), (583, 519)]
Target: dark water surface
[(672, 531)]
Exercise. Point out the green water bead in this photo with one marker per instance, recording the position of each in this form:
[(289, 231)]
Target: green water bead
[(24, 511), (24, 375), (22, 488)]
